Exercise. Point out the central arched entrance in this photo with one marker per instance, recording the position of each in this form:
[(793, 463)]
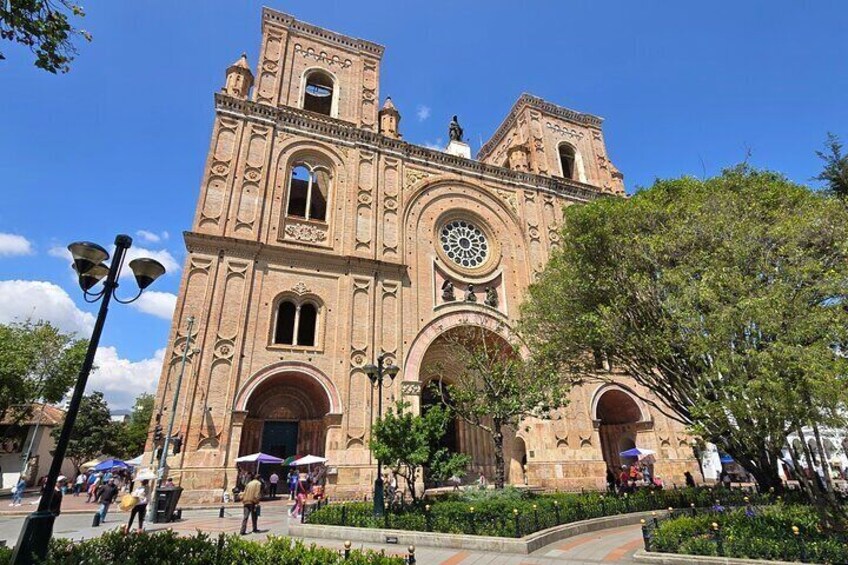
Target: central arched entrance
[(617, 414), (286, 415), (442, 362)]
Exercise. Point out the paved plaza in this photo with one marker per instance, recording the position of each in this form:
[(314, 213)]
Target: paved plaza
[(615, 545)]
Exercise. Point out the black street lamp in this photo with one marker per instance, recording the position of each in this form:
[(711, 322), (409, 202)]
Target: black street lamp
[(89, 264), (375, 375)]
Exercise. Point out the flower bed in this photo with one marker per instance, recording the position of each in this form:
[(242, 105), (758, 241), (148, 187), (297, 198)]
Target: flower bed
[(759, 533), (513, 513), (201, 549)]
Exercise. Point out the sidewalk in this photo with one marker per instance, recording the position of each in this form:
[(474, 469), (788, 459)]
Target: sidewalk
[(77, 505)]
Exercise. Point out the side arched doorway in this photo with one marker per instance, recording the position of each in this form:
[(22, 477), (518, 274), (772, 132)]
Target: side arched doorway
[(617, 414), (286, 415)]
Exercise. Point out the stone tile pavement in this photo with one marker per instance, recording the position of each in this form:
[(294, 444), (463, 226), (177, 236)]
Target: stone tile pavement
[(615, 545)]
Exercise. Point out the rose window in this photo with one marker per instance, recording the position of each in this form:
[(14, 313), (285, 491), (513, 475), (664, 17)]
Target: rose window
[(464, 243)]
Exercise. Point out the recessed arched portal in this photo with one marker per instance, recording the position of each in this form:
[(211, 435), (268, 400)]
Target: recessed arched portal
[(287, 414), (441, 363), (617, 413)]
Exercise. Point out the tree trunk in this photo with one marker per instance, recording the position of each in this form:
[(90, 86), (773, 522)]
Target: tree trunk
[(497, 438)]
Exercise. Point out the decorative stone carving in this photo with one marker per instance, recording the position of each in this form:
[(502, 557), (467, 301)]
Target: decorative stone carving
[(491, 297), (469, 294), (322, 56), (509, 198), (300, 288), (413, 176), (410, 388), (564, 131), (307, 233), (447, 291)]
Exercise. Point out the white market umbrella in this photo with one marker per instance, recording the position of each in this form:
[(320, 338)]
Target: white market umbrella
[(135, 461), (308, 460), (146, 474)]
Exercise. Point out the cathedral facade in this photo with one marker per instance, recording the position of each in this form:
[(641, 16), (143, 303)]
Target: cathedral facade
[(321, 240)]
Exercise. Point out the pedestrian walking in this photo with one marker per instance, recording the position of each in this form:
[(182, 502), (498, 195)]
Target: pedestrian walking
[(250, 499), (273, 480), (293, 478), (78, 483), (300, 500), (18, 491), (55, 506), (107, 497), (140, 507)]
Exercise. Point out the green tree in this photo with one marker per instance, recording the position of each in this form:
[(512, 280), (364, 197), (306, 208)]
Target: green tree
[(44, 27), (724, 297), (835, 172), (37, 363), (92, 434), (491, 387), (129, 437), (409, 444)]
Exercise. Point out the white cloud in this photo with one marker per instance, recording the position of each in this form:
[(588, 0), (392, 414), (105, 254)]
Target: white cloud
[(423, 112), (41, 300), (159, 304), (152, 237), (11, 244), (438, 145), (121, 380), (60, 252)]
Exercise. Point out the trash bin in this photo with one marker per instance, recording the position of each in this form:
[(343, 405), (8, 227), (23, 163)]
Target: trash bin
[(166, 503)]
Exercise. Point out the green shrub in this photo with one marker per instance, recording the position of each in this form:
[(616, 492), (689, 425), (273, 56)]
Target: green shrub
[(167, 547), (5, 556), (494, 515), (765, 533)]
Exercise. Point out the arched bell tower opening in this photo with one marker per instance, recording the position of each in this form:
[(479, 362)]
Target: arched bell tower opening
[(286, 415), (617, 414)]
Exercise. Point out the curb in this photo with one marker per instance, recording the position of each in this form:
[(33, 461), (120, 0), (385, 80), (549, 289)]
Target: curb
[(521, 546), (683, 559)]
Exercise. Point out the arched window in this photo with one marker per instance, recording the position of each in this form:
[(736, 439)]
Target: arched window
[(566, 159), (308, 189), (296, 323), (306, 325), (318, 93)]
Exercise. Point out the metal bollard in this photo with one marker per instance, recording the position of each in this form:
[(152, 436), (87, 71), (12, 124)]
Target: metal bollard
[(646, 537), (221, 512), (410, 557), (96, 521), (517, 525), (344, 514), (347, 545)]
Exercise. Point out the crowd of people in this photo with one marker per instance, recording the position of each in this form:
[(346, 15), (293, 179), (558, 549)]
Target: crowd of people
[(631, 477), (251, 488)]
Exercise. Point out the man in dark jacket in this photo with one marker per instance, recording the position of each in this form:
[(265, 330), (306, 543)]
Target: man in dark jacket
[(107, 497)]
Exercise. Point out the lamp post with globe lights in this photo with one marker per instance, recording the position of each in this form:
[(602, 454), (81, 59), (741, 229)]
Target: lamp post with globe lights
[(375, 375), (89, 264)]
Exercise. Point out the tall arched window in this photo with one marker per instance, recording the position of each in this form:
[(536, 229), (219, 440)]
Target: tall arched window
[(308, 189), (318, 93), (296, 323), (566, 159)]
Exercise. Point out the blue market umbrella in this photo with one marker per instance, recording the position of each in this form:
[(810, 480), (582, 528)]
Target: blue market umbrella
[(110, 464), (637, 452)]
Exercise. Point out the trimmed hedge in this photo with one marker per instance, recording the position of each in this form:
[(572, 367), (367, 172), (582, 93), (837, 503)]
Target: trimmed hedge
[(167, 547), (761, 533), (494, 513)]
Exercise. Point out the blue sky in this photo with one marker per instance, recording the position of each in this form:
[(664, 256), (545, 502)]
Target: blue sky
[(118, 144)]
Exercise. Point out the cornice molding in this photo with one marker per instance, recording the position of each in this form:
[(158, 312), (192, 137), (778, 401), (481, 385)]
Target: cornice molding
[(288, 21), (528, 100), (288, 254), (345, 133)]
